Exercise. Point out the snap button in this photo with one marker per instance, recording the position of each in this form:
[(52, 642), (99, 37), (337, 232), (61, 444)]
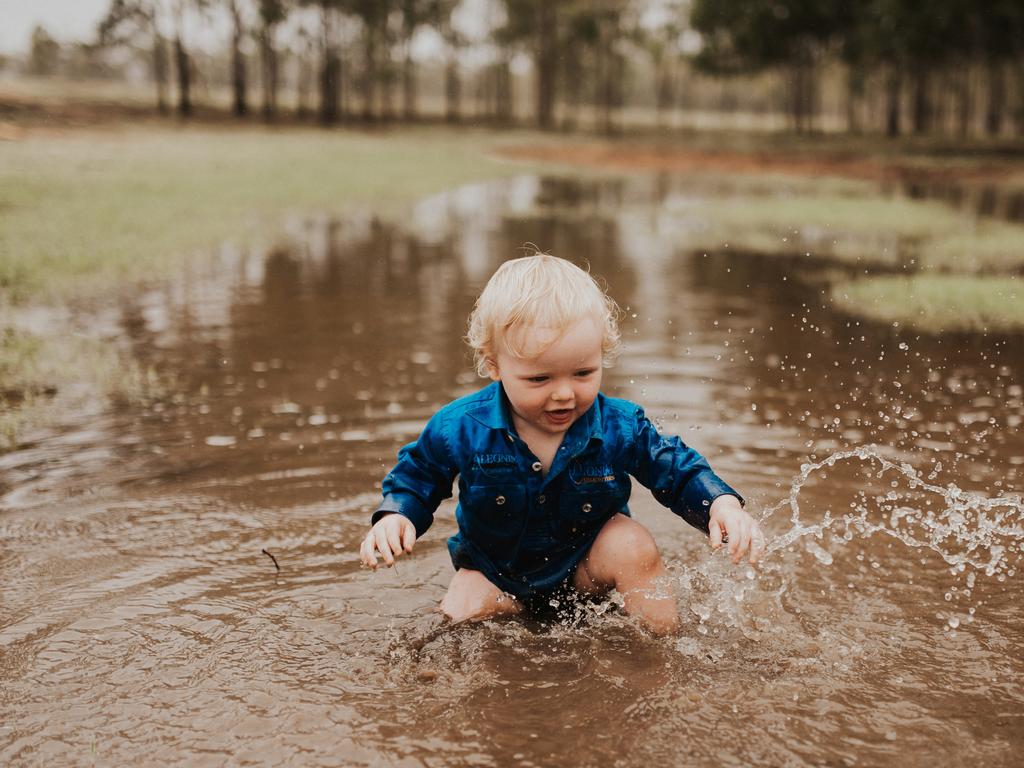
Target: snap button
[(499, 500), (587, 507), (541, 499), (537, 466)]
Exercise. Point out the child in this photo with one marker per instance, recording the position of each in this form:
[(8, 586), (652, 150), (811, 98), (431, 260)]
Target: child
[(543, 461)]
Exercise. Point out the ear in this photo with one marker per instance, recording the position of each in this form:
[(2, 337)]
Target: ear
[(492, 368)]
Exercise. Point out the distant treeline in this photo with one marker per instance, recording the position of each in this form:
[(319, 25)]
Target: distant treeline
[(895, 66)]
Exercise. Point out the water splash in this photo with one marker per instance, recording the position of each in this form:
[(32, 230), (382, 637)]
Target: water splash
[(965, 528)]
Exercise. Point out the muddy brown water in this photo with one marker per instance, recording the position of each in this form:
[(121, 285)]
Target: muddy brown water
[(140, 623)]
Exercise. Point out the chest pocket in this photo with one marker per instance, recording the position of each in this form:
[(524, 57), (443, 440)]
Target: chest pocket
[(588, 500), (493, 517)]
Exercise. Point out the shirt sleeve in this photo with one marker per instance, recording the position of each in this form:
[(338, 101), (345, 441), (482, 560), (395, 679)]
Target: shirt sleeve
[(421, 479), (677, 475)]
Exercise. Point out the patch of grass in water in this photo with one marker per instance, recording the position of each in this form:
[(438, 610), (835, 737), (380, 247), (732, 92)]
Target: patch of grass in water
[(44, 377), (937, 303), (895, 232)]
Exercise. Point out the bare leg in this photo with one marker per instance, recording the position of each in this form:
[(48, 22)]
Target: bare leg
[(471, 597), (624, 557)]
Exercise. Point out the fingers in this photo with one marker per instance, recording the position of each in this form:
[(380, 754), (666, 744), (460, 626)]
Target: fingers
[(715, 529), (366, 552), (408, 536), (380, 538), (393, 534), (393, 537), (743, 536)]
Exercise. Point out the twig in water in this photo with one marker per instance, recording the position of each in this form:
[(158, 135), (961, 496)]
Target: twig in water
[(272, 558)]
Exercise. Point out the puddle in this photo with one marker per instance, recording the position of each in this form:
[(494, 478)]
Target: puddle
[(140, 620)]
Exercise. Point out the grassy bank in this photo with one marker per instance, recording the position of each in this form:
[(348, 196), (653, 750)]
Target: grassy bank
[(88, 211), (862, 226), (81, 209), (937, 302)]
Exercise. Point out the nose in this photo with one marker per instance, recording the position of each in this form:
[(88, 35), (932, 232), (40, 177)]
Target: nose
[(562, 392)]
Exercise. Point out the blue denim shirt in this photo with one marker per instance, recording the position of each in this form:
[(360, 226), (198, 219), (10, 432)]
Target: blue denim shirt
[(526, 531)]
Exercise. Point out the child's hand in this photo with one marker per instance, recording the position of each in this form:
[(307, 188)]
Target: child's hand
[(393, 536), (743, 532)]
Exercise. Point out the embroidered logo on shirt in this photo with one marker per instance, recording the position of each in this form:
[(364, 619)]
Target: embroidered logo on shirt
[(494, 459), (585, 474)]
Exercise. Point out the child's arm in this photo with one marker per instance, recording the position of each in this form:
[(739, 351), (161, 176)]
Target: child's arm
[(682, 480), (419, 482)]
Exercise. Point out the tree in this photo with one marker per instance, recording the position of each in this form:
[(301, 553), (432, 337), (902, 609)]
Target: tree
[(415, 13), (754, 35), (330, 61), (238, 73), (127, 20), (182, 61), (533, 25), (271, 14), (1000, 35), (374, 16), (44, 55)]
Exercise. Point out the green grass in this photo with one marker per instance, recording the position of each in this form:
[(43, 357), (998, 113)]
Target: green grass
[(864, 228), (77, 211), (46, 375), (937, 303)]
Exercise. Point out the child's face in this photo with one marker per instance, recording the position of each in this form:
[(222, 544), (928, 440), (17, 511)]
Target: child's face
[(550, 388)]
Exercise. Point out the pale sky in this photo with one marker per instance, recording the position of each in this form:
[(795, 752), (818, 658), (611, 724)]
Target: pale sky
[(68, 20), (64, 19)]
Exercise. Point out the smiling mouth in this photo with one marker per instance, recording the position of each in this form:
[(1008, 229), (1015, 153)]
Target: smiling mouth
[(559, 415)]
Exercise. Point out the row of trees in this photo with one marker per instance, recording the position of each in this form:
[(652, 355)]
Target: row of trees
[(926, 48), (899, 64)]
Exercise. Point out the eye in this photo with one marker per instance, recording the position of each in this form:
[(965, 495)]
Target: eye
[(537, 379), (585, 372)]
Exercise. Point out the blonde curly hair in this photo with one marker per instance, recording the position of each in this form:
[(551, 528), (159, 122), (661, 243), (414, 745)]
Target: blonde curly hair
[(540, 291)]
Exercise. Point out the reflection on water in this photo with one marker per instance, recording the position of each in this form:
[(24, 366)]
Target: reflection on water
[(140, 621)]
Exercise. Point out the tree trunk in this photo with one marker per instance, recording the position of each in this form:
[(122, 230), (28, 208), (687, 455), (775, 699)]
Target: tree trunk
[(160, 71), (303, 86), (795, 96), (572, 80), (330, 73), (963, 101), (996, 98), (238, 69), (268, 68), (181, 60), (1020, 100), (893, 88), (503, 92), (408, 83), (854, 95), (810, 91), (452, 90), (369, 72), (546, 63), (922, 113), (663, 95)]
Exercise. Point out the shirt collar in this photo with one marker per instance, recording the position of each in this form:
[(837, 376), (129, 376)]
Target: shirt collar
[(494, 413)]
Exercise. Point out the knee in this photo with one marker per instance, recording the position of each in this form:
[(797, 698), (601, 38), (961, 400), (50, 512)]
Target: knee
[(638, 547), (471, 597), (629, 548)]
